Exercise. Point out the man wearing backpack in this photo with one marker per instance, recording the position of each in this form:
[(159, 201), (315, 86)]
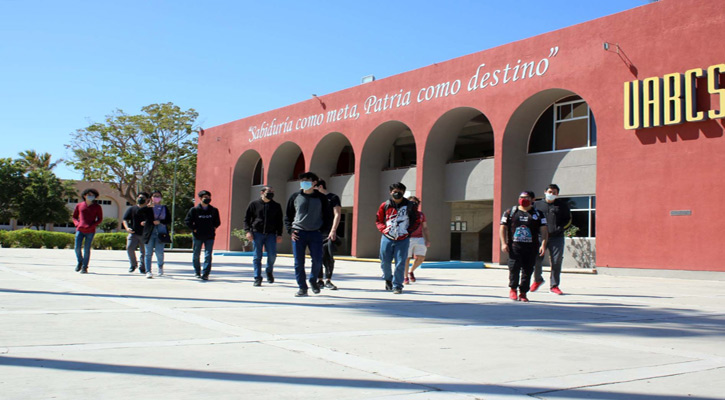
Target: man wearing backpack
[(520, 229), (396, 219), (558, 218)]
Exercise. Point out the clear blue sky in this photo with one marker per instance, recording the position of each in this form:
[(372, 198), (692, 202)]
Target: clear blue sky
[(64, 64)]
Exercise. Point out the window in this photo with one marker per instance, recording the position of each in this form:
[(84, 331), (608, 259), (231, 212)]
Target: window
[(567, 124), (258, 173), (71, 201), (583, 214), (403, 153), (346, 161), (104, 202)]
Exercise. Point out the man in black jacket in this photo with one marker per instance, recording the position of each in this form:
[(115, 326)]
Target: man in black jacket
[(558, 217), (132, 223), (203, 220), (263, 223), (308, 215)]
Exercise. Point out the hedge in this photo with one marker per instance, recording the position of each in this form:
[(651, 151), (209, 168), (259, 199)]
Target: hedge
[(28, 238)]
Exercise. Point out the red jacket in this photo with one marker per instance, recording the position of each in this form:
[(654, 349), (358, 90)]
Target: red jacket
[(86, 218), (397, 221)]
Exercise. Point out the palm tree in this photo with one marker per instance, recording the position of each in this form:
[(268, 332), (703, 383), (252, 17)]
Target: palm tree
[(32, 160)]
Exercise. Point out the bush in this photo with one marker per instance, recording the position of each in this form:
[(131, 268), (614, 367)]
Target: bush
[(110, 241), (27, 238), (108, 224), (4, 239), (60, 240), (183, 241)]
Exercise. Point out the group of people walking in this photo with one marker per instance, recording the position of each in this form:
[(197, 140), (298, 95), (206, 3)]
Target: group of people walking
[(311, 218)]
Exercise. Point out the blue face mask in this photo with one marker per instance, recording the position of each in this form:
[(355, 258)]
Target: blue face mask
[(306, 185)]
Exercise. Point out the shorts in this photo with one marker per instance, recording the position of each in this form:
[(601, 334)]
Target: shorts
[(417, 247)]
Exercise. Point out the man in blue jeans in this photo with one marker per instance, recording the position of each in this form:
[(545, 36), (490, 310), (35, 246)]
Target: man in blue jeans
[(397, 218), (308, 215), (263, 223), (86, 217), (203, 219)]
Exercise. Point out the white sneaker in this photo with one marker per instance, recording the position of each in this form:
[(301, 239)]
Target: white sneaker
[(161, 271), (149, 275)]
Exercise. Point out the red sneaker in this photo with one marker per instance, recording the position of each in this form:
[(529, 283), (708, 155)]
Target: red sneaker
[(512, 295), (406, 281), (556, 290), (535, 286), (522, 297), (412, 277)]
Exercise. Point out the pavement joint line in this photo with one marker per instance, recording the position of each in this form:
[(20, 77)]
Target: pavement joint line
[(204, 322), (391, 371), (613, 377)]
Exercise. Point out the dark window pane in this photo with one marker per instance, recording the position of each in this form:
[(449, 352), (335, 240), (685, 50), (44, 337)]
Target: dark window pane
[(542, 135), (594, 225), (580, 219), (580, 202), (571, 134), (594, 201), (580, 109), (592, 130)]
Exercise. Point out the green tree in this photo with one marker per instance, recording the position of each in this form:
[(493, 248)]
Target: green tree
[(42, 200), (150, 143), (12, 182), (32, 160), (108, 224)]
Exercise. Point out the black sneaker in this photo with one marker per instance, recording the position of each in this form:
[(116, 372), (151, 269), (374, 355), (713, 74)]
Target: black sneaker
[(321, 284), (197, 276), (301, 293), (84, 270), (142, 270), (388, 285), (315, 286), (258, 281), (270, 277), (330, 286), (204, 277), (131, 269), (398, 290), (78, 267)]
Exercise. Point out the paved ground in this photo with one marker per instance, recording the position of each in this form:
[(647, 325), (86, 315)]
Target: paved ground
[(452, 335)]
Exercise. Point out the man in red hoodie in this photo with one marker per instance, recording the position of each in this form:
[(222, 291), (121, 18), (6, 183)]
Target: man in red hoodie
[(86, 217), (396, 219)]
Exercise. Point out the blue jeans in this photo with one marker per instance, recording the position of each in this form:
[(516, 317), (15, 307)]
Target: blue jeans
[(208, 248), (269, 242), (84, 256), (313, 240), (393, 250), (154, 244)]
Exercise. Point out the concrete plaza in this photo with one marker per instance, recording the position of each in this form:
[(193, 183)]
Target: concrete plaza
[(454, 334)]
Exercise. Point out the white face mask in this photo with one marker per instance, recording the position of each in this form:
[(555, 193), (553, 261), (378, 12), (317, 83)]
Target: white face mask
[(90, 198), (550, 196)]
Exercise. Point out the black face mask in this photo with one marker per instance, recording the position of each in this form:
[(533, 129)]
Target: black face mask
[(141, 200), (269, 195), (397, 195), (206, 201)]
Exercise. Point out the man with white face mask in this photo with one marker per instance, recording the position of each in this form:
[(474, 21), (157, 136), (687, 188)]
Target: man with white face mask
[(308, 215), (558, 219)]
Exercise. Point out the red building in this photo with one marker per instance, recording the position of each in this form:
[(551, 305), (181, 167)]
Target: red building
[(624, 113)]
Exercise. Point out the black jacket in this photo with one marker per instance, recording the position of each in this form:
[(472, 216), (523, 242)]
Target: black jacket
[(147, 213), (289, 217), (203, 223), (264, 217), (558, 216)]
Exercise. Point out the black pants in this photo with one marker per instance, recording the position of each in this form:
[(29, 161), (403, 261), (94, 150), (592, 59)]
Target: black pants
[(328, 258), (521, 263)]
